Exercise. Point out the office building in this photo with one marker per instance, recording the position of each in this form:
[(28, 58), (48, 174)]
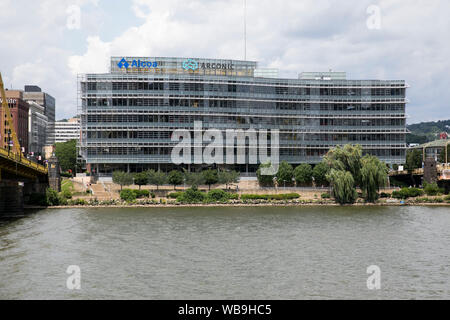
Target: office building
[(129, 114), (37, 128), (35, 94), (67, 130)]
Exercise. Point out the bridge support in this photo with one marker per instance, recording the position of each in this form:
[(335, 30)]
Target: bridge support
[(430, 171), (54, 177), (11, 198)]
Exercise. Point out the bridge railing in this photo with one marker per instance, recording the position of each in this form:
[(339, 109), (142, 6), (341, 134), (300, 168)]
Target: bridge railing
[(23, 161)]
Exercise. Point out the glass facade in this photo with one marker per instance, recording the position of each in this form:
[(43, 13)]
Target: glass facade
[(129, 114)]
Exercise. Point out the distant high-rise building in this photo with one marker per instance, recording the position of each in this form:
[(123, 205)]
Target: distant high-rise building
[(35, 94), (67, 130), (37, 128)]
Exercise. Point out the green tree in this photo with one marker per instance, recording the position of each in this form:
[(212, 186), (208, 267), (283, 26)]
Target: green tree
[(263, 179), (122, 178), (210, 177), (414, 138), (140, 179), (156, 178), (414, 159), (66, 152), (193, 179), (228, 177), (320, 174), (373, 177), (343, 186), (347, 158), (285, 173), (303, 174), (175, 178)]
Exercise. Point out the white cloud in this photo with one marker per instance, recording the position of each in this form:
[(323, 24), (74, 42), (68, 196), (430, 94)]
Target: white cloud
[(95, 60)]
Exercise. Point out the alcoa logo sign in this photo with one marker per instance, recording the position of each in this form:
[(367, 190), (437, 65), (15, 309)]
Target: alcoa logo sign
[(137, 64)]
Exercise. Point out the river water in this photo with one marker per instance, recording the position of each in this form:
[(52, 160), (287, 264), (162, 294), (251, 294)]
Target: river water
[(227, 253)]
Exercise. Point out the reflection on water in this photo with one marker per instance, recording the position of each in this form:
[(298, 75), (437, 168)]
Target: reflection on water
[(225, 253)]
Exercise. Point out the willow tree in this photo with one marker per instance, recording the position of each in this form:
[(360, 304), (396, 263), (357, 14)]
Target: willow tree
[(347, 158), (343, 186), (373, 177)]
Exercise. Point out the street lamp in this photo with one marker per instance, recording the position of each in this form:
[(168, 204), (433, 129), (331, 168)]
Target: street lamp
[(9, 141)]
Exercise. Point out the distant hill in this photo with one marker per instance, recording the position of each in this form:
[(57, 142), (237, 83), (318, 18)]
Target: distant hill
[(426, 131)]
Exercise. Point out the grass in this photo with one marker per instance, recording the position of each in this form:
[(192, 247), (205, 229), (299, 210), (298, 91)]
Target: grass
[(67, 184)]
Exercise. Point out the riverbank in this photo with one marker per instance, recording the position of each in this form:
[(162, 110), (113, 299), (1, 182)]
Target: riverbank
[(220, 205)]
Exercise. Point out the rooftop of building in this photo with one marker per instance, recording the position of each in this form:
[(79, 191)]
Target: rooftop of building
[(32, 88), (137, 67), (74, 120)]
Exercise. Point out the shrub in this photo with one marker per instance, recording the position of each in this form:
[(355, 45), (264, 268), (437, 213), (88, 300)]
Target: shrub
[(66, 194), (217, 196), (406, 193), (325, 196), (127, 195), (66, 174), (192, 195), (175, 195), (254, 197), (62, 201), (447, 198), (77, 202), (385, 195), (141, 193), (233, 196), (432, 189), (398, 195), (52, 197), (429, 200), (288, 196)]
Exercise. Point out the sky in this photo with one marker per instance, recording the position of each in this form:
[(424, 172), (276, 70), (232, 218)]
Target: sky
[(49, 42)]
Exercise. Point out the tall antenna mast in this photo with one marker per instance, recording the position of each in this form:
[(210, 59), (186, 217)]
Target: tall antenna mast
[(245, 29)]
